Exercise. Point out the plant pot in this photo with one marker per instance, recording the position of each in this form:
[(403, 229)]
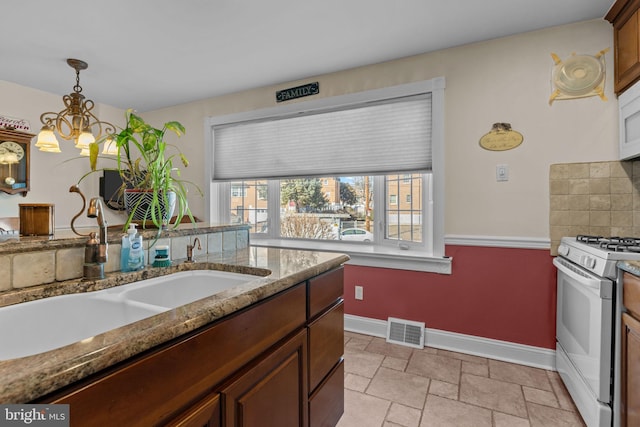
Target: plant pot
[(139, 205)]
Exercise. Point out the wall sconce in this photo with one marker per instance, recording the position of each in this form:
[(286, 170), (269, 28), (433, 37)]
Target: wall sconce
[(76, 122)]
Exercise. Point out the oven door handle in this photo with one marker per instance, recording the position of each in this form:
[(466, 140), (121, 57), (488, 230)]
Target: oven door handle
[(599, 286)]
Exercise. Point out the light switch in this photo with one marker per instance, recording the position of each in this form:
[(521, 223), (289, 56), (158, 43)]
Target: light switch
[(502, 173)]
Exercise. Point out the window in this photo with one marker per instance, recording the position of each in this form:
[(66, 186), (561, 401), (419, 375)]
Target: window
[(238, 190), (249, 204), (404, 220), (394, 209)]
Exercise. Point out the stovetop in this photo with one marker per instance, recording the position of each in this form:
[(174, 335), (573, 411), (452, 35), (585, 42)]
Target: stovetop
[(598, 254), (612, 244)]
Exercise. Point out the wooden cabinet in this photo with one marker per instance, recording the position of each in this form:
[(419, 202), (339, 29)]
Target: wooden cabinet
[(272, 393), (271, 364), (205, 413), (630, 353), (163, 384), (625, 17), (630, 371), (326, 348)]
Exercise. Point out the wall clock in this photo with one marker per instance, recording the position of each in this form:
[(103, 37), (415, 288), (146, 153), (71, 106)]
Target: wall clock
[(14, 161)]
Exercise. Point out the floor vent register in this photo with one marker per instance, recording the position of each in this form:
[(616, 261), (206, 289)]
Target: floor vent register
[(405, 332)]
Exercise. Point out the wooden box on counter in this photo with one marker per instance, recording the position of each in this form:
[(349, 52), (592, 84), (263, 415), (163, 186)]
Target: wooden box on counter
[(36, 219)]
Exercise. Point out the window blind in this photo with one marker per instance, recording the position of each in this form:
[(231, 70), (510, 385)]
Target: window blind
[(374, 138)]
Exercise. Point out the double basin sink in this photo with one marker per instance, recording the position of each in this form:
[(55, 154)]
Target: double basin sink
[(38, 326)]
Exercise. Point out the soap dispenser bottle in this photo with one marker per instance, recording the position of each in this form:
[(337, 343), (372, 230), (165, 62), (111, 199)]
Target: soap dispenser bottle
[(136, 251), (126, 248)]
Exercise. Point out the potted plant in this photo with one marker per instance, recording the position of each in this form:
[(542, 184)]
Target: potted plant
[(152, 185)]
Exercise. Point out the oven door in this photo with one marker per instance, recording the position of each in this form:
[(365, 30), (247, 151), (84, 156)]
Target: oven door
[(584, 325)]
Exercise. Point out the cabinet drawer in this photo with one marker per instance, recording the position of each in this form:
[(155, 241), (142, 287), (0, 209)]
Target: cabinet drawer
[(325, 290), (326, 405), (631, 294), (326, 344)]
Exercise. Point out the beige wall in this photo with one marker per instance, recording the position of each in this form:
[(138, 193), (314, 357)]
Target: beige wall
[(503, 80), (52, 174)]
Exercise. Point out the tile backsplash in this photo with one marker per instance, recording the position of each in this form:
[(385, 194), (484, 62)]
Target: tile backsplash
[(600, 198), (26, 268)]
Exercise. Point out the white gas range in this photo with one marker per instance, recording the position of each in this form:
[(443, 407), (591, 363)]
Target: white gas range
[(587, 322)]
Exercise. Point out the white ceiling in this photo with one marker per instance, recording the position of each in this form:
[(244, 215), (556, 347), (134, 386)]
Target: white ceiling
[(149, 54)]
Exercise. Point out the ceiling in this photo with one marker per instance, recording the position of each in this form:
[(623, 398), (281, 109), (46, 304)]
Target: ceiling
[(149, 54)]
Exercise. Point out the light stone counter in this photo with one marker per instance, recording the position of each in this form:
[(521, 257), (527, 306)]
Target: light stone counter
[(632, 267), (25, 379)]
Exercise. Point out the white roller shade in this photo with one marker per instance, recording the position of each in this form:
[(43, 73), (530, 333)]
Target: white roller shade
[(375, 138)]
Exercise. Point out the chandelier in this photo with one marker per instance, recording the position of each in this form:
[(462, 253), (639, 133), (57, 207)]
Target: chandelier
[(76, 122)]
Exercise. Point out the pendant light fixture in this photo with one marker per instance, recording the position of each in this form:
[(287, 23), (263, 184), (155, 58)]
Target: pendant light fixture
[(76, 122)]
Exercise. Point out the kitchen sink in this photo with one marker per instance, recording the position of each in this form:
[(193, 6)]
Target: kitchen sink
[(46, 324), (185, 287), (42, 325)]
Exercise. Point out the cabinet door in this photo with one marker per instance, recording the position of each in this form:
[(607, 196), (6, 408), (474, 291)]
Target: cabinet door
[(627, 52), (326, 344), (630, 371), (205, 413), (273, 392), (326, 404)]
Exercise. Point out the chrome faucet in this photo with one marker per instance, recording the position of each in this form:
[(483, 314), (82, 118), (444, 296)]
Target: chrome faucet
[(190, 250)]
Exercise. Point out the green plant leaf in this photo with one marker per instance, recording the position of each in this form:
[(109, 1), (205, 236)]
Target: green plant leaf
[(175, 127), (149, 141), (137, 124), (94, 149)]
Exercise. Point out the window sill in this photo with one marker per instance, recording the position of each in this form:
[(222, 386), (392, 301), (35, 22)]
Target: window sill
[(368, 255)]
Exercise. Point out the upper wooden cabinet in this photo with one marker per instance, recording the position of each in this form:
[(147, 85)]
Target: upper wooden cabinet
[(625, 16)]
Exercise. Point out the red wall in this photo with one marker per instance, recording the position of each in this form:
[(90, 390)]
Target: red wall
[(500, 293)]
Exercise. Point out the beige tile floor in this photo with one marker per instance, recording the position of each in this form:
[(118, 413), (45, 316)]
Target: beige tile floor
[(388, 385)]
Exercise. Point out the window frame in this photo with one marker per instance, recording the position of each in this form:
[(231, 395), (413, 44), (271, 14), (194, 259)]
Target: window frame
[(427, 256)]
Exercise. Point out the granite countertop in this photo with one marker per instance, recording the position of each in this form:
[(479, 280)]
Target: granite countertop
[(27, 378), (632, 267)]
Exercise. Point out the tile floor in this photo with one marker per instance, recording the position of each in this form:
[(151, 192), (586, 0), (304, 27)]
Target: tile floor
[(388, 385)]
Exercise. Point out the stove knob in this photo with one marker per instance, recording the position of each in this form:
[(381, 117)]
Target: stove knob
[(587, 261), (563, 250)]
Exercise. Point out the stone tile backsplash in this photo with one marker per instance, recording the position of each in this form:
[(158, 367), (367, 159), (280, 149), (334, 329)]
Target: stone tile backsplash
[(601, 198), (37, 267)]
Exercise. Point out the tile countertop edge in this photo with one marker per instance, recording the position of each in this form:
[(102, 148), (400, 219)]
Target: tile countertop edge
[(27, 378), (632, 267)]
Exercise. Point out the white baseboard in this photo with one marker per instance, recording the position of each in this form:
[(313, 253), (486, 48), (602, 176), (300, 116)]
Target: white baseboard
[(537, 357)]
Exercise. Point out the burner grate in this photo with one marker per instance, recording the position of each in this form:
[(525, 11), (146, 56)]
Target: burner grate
[(611, 244), (588, 238)]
